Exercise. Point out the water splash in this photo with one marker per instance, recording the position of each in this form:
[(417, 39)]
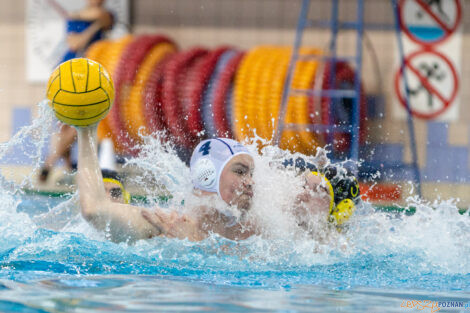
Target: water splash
[(37, 133), (16, 226), (427, 250), (160, 169)]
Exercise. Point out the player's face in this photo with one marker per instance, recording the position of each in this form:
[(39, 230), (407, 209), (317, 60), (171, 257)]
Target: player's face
[(236, 181), (315, 197), (114, 192)]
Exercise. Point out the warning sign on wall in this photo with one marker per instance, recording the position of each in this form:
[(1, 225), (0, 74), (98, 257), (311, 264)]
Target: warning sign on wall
[(432, 42), (429, 22), (432, 84)]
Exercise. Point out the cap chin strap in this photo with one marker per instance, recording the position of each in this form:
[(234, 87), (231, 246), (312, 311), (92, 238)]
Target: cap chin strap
[(125, 194), (330, 190)]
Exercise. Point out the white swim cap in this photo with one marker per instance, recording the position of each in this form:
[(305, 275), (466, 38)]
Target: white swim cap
[(209, 159)]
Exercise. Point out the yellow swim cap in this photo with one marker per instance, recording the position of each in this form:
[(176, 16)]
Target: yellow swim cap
[(330, 189), (343, 211), (125, 194)]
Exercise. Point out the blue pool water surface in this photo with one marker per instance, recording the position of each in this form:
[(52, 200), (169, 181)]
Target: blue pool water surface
[(78, 270), (51, 260)]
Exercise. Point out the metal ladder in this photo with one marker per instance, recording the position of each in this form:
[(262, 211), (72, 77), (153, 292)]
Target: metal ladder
[(332, 94), (336, 94), (410, 123)]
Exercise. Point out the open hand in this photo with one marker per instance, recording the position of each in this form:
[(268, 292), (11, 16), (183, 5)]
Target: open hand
[(175, 225)]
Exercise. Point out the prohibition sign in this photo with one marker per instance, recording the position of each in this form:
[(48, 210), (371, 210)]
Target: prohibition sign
[(432, 83), (428, 22)]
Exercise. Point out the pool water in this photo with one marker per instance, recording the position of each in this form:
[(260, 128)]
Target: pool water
[(142, 293), (51, 260), (77, 270)]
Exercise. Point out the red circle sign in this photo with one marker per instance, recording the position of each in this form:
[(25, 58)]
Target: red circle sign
[(431, 63), (439, 26)]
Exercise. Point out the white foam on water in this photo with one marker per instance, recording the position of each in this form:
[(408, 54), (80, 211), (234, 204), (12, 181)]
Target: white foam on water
[(437, 233), (16, 226), (160, 165)]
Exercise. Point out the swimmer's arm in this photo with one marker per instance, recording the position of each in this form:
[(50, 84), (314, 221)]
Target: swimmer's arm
[(79, 41), (121, 222), (172, 224)]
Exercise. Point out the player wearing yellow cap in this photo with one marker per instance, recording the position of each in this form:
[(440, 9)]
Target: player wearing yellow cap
[(331, 191)]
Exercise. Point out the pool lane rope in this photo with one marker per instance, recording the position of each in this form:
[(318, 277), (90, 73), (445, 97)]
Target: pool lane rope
[(133, 111), (172, 103), (197, 90), (198, 93), (207, 104), (152, 98), (125, 74), (223, 98), (109, 57)]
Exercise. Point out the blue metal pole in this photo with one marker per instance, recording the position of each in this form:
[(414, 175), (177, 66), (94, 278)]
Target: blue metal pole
[(334, 24), (357, 84), (290, 70), (407, 97)]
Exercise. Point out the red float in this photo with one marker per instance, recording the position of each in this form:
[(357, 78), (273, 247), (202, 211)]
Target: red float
[(152, 98), (225, 80), (175, 74), (126, 70), (196, 91)]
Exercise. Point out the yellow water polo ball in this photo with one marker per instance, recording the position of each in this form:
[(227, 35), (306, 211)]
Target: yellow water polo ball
[(80, 91)]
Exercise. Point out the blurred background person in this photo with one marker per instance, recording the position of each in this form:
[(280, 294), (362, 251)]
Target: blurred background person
[(83, 28)]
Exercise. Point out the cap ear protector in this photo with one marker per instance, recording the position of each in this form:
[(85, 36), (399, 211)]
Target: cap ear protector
[(125, 194), (204, 173), (343, 211)]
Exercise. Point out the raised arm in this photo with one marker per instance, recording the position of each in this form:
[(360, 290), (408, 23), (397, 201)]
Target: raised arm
[(58, 8), (121, 222), (102, 20), (79, 41)]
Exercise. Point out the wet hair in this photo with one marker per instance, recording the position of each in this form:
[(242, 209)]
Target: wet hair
[(112, 174), (299, 164), (114, 177)]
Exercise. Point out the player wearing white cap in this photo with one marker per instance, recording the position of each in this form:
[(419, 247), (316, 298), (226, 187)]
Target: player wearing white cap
[(223, 166), (219, 167)]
